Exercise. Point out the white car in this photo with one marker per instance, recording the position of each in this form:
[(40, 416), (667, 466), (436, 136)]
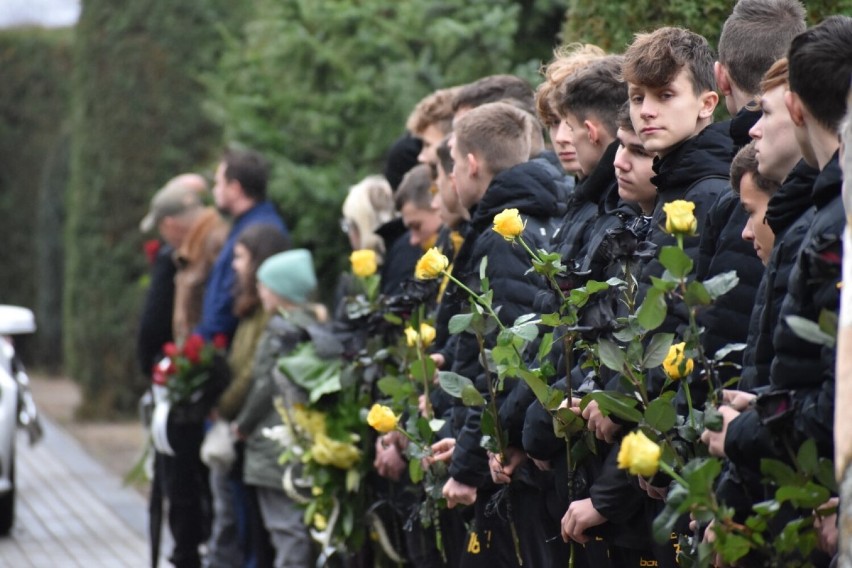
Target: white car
[(16, 405)]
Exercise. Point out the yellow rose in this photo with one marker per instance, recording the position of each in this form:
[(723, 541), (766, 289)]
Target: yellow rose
[(382, 418), (680, 217), (310, 421), (426, 335), (411, 336), (639, 455), (364, 262), (508, 224), (676, 365), (320, 522), (327, 451), (431, 265)]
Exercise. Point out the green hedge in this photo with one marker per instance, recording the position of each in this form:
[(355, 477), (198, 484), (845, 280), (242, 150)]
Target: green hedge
[(323, 88), (34, 104), (137, 121)]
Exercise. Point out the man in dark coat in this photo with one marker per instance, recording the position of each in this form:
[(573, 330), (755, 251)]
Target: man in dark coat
[(491, 170)]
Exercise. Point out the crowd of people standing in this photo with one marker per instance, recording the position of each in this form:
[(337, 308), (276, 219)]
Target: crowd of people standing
[(632, 141)]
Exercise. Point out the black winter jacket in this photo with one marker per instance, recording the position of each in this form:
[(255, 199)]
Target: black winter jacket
[(696, 171), (802, 373), (789, 214), (532, 190)]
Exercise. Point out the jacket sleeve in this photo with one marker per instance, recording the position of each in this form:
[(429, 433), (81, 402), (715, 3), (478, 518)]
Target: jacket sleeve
[(217, 311), (155, 325), (613, 493), (513, 292), (259, 400)]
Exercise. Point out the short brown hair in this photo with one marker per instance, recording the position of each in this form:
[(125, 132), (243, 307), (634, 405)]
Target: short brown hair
[(776, 76), (623, 121), (435, 109), (654, 59), (445, 158), (567, 59), (495, 88), (415, 188), (597, 90), (497, 133), (755, 35), (745, 162)]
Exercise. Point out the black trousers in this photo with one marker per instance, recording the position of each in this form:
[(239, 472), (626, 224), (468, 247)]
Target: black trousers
[(185, 484)]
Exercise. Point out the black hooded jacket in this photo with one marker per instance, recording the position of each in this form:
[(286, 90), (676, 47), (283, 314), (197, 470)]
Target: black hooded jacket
[(722, 248), (696, 171), (789, 215), (531, 189), (802, 373)]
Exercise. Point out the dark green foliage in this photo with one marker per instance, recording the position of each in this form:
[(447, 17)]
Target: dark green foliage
[(33, 109), (611, 24), (137, 121), (324, 87)]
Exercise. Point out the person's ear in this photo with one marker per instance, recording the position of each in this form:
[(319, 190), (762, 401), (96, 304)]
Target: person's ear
[(723, 82), (594, 133), (472, 165), (709, 100), (794, 107)]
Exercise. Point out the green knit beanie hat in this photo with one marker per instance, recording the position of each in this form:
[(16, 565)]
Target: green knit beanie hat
[(289, 274)]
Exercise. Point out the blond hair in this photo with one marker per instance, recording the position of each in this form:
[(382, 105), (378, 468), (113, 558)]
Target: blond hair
[(497, 133), (435, 109), (369, 205)]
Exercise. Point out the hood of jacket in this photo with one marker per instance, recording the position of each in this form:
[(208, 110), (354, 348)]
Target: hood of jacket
[(704, 155), (600, 180), (828, 183), (740, 125), (793, 198), (527, 187)]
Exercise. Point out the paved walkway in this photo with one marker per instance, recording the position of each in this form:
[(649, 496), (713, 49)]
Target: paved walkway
[(72, 512)]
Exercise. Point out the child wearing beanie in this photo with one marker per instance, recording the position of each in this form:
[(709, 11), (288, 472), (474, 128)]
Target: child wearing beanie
[(286, 282)]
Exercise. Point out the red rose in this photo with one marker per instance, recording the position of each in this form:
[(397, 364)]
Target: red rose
[(161, 371), (220, 341), (151, 248), (170, 349), (192, 348)]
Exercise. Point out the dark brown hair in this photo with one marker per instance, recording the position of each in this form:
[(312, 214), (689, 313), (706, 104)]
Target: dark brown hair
[(261, 241), (654, 60)]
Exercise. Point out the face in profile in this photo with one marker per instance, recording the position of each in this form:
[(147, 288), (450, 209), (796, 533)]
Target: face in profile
[(756, 230), (588, 152), (775, 137), (560, 137), (241, 262)]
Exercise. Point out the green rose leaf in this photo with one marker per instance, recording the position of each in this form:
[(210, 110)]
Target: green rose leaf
[(713, 419), (721, 283), (807, 457), (657, 350), (779, 472), (453, 383), (545, 346), (660, 415), (697, 295), (652, 312), (734, 548), (828, 322), (676, 261), (415, 471), (460, 323), (809, 331), (472, 397), (611, 355), (809, 496), (621, 405), (566, 423)]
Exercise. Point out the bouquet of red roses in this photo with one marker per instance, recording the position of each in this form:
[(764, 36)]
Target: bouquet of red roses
[(188, 371)]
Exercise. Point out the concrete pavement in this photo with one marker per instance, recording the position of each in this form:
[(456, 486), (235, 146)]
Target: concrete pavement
[(72, 512)]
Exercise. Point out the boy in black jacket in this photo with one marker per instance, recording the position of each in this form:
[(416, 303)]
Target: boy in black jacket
[(492, 173), (800, 404)]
